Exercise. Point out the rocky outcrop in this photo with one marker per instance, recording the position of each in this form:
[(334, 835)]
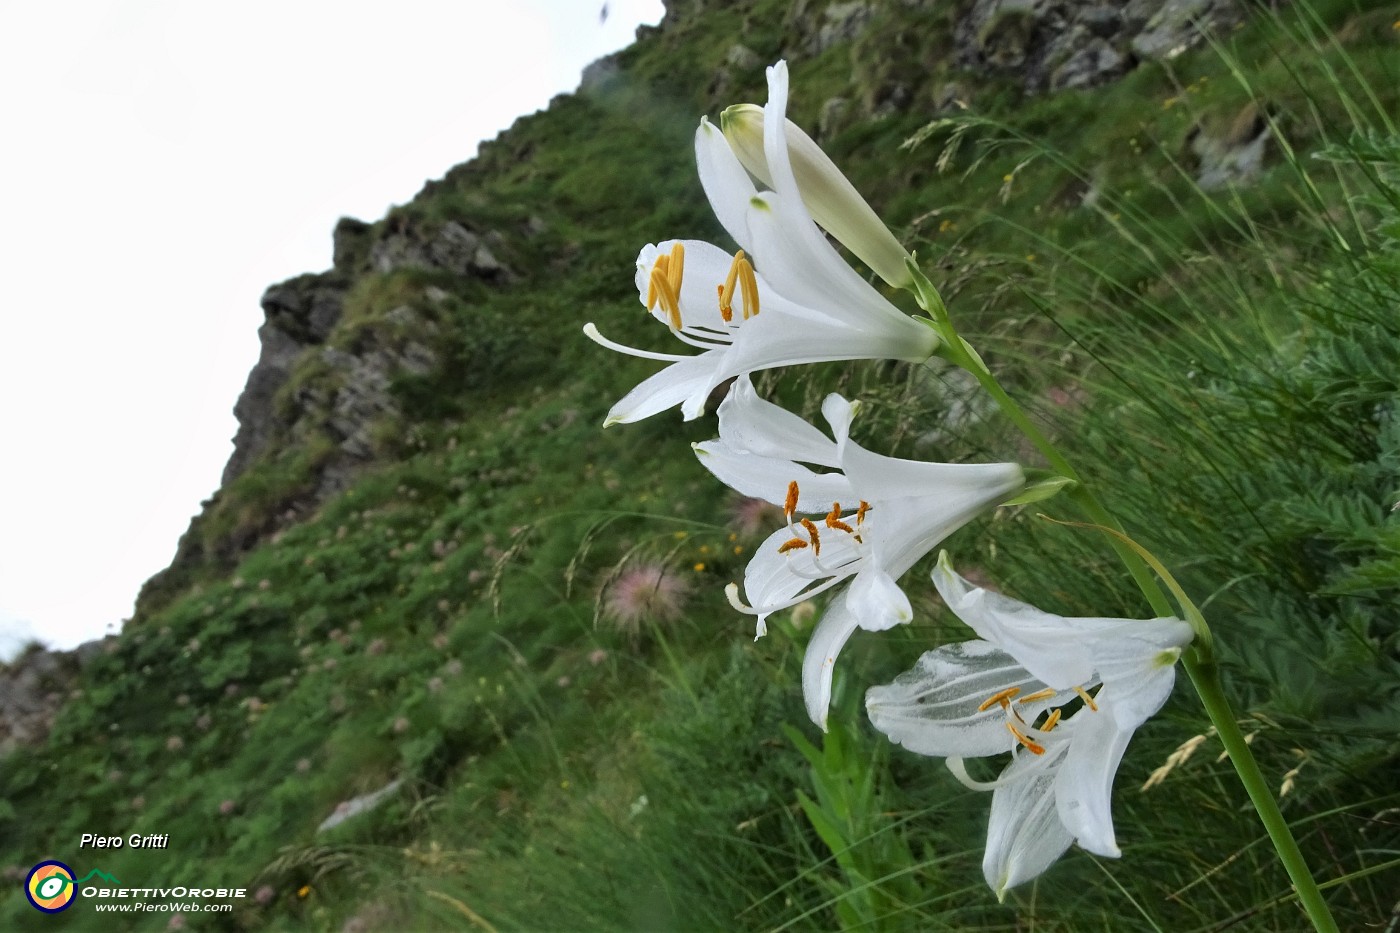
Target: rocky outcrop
[(334, 349), (298, 314), (1063, 44), (32, 688)]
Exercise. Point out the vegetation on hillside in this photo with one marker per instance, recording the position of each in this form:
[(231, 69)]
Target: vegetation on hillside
[(521, 617)]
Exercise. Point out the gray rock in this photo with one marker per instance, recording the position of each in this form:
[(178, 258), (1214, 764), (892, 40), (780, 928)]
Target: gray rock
[(1093, 64), (34, 686), (1178, 25), (1234, 156), (351, 241), (299, 313), (742, 57), (1102, 21), (361, 804), (453, 248)]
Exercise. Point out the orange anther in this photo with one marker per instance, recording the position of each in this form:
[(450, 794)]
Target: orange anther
[(796, 544), (1033, 747), (833, 520), (816, 538), (790, 506), (1051, 720), (1088, 700), (1045, 694), (725, 312), (860, 512), (1002, 697)]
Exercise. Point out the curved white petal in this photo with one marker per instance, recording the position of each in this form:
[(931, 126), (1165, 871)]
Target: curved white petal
[(818, 664), (935, 707), (829, 196), (1084, 785), (779, 338), (767, 478), (904, 530), (1024, 833), (877, 602), (681, 382), (787, 238), (1048, 645), (884, 477), (754, 425), (839, 413), (775, 580), (796, 259), (726, 183)]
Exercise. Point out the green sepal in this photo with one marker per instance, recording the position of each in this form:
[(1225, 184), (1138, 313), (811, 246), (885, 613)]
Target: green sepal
[(1043, 484)]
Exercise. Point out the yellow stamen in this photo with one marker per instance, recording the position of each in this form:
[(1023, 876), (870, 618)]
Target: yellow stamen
[(675, 267), (661, 284), (1051, 720), (833, 520), (652, 292), (1003, 697), (1088, 700), (816, 538), (1034, 747), (860, 512), (796, 544), (790, 505), (748, 285), (1038, 695), (726, 292)]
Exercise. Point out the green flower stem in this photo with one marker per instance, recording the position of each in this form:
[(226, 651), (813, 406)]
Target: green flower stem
[(1199, 662), (1205, 677)]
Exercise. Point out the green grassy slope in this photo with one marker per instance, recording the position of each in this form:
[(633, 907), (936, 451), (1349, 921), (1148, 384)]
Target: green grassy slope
[(1222, 363)]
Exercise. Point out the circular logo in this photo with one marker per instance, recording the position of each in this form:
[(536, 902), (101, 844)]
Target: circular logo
[(50, 887)]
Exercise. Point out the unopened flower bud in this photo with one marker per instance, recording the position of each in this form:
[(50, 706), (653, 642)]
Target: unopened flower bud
[(828, 195)]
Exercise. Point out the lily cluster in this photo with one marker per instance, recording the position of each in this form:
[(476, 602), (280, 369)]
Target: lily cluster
[(1061, 696)]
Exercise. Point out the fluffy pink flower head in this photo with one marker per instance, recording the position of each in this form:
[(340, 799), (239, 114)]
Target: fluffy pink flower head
[(644, 592)]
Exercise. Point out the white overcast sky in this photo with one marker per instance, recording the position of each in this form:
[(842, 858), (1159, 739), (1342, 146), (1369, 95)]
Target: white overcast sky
[(161, 163)]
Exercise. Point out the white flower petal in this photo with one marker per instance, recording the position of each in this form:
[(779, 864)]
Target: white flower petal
[(893, 478), (933, 709), (830, 197), (756, 426), (877, 602), (818, 664), (725, 181), (1084, 785), (779, 338), (767, 478), (682, 382), (774, 580), (800, 264), (839, 413), (1048, 645), (1024, 832), (788, 236)]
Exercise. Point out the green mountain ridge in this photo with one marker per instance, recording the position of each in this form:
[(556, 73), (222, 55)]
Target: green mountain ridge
[(434, 598)]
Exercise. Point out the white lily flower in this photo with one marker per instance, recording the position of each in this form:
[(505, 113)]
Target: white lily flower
[(1062, 695), (828, 194), (814, 307), (902, 510)]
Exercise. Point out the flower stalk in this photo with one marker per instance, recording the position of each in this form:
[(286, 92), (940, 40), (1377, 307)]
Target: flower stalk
[(1198, 660)]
